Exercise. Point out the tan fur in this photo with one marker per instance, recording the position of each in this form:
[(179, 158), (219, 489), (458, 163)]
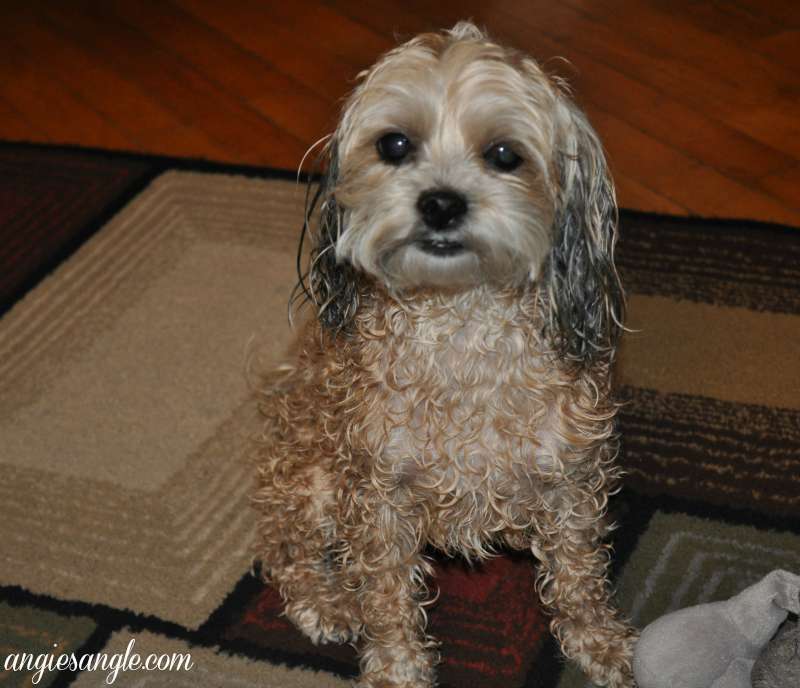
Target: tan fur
[(441, 416)]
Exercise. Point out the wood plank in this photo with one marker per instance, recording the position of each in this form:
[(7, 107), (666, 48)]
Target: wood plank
[(14, 126), (131, 109), (700, 69), (782, 48), (51, 107), (292, 51), (654, 29), (287, 103), (197, 101), (785, 12), (632, 193), (688, 182), (724, 18), (785, 185), (333, 32)]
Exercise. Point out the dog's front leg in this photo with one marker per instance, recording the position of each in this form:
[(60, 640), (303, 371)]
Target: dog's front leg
[(391, 589), (573, 585)]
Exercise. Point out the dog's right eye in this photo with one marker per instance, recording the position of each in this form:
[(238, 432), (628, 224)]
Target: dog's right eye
[(502, 157), (393, 147)]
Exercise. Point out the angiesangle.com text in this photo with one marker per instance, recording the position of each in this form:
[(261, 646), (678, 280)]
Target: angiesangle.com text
[(113, 664)]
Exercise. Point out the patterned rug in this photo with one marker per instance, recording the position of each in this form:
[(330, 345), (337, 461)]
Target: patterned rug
[(131, 288)]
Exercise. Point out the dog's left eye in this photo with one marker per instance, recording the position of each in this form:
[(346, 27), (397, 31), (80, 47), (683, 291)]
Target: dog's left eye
[(502, 156), (393, 147)]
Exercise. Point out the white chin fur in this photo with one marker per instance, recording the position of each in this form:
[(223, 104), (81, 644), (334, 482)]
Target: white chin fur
[(410, 266)]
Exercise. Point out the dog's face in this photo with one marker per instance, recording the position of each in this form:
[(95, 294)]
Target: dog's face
[(458, 162), (446, 166)]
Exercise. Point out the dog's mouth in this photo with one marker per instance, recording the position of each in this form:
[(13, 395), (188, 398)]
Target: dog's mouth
[(437, 246)]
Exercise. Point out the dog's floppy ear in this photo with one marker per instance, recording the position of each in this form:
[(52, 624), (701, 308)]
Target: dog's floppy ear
[(583, 294), (330, 285)]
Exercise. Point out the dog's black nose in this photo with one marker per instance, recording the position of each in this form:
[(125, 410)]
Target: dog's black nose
[(442, 209)]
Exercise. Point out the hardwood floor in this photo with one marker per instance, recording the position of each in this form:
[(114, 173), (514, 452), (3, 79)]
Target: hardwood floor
[(697, 101)]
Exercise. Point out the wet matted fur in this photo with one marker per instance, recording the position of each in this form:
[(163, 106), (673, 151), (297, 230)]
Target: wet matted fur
[(453, 388)]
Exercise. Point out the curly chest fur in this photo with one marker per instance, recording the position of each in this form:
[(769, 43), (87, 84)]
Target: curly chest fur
[(467, 413)]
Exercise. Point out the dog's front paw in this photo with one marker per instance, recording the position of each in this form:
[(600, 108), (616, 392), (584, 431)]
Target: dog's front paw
[(321, 628), (612, 667), (392, 680), (603, 651), (407, 665)]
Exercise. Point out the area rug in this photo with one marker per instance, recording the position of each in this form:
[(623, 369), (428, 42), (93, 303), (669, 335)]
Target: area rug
[(131, 290)]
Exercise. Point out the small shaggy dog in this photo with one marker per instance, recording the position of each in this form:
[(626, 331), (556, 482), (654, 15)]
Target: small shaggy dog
[(453, 388)]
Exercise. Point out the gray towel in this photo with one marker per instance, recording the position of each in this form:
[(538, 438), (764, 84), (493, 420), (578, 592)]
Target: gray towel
[(716, 645)]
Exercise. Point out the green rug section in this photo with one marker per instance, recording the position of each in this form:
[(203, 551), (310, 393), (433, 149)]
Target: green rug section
[(682, 560), (28, 636)]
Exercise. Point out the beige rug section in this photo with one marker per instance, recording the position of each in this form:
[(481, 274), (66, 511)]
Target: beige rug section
[(730, 354), (123, 415), (209, 668)]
